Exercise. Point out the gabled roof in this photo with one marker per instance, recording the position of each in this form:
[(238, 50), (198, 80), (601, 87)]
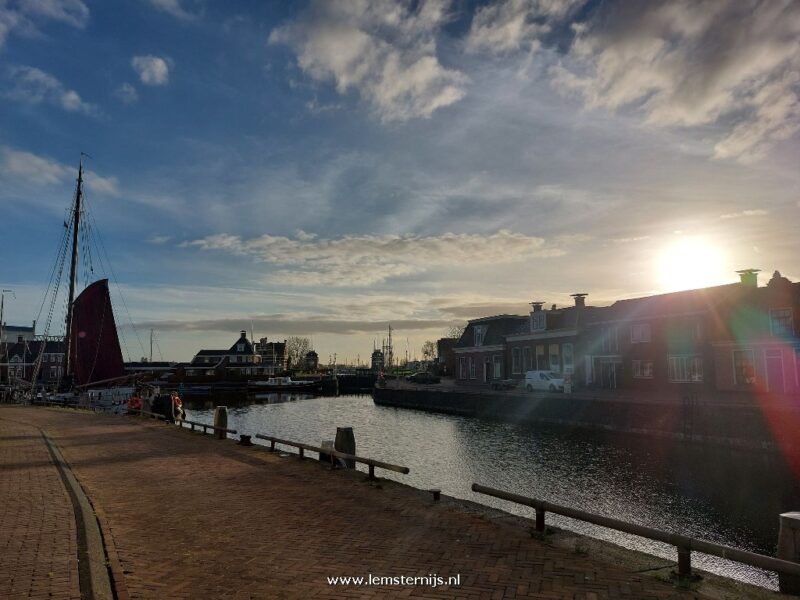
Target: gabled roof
[(497, 327)]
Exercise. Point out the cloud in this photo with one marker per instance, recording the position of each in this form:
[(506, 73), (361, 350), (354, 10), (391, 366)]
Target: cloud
[(126, 93), (34, 86), (385, 50), (745, 213), (21, 16), (361, 260), (152, 70), (730, 63), (174, 8), (40, 171), (510, 25), (297, 325), (158, 240)]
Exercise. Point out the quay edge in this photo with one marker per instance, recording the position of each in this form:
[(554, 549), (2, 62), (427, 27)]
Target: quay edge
[(743, 426)]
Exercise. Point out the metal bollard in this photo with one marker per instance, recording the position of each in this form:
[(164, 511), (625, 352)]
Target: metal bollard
[(221, 420), (789, 549)]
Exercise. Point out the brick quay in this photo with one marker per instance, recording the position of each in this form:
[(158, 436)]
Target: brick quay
[(183, 515)]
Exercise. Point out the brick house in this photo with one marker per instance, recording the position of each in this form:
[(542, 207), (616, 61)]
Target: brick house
[(20, 359), (480, 351), (550, 340)]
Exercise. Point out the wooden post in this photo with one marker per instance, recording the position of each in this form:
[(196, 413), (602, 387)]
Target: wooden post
[(789, 549), (272, 445), (371, 471), (301, 452), (221, 420), (684, 562), (540, 519), (346, 442)]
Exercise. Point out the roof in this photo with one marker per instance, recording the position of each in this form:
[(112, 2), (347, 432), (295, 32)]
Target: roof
[(30, 350), (497, 327), (17, 329)]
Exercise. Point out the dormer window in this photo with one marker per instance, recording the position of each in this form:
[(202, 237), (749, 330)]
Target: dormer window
[(480, 332), (538, 321)]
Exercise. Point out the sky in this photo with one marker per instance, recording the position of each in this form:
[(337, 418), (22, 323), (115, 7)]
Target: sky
[(326, 168)]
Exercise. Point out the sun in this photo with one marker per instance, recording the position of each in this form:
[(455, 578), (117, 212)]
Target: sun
[(691, 263)]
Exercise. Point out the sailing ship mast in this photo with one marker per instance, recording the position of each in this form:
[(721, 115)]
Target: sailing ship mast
[(73, 274)]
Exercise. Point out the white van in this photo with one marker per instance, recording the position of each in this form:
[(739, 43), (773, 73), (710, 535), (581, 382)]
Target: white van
[(544, 380)]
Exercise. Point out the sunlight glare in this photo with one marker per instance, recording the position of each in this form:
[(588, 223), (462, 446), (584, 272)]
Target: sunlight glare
[(691, 263)]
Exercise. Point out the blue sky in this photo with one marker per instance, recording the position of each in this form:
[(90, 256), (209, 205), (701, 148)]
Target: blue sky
[(324, 168)]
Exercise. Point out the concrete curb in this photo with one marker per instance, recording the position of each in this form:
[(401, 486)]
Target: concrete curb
[(93, 572)]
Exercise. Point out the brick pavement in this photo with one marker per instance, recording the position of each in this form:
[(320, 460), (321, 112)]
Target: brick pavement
[(186, 516), (38, 548)]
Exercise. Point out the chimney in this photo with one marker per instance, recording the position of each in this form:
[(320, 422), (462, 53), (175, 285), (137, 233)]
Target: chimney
[(580, 299), (244, 333), (553, 307), (749, 277), (537, 306)]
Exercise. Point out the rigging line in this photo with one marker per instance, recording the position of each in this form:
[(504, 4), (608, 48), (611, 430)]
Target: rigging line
[(59, 251), (98, 237)]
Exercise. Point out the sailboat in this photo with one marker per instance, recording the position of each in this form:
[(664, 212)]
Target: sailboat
[(94, 372)]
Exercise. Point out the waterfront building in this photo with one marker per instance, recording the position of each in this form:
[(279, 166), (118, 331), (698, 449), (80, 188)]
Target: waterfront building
[(312, 361), (19, 361), (10, 334), (241, 359), (481, 349), (273, 355)]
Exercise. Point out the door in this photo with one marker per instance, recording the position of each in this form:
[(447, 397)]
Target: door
[(487, 370), (775, 382)]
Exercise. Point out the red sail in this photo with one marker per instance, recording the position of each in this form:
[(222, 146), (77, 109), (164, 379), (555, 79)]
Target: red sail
[(95, 351)]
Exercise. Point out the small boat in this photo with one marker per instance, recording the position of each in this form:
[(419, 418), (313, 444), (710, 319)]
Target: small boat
[(286, 384)]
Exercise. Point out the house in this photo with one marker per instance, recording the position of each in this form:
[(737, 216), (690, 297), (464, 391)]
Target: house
[(480, 351), (734, 337), (19, 361), (241, 359), (273, 356), (550, 340), (10, 334)]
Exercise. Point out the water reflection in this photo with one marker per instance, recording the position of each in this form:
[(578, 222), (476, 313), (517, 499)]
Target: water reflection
[(727, 496)]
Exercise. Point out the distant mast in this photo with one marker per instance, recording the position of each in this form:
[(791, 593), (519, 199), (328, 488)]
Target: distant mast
[(68, 366)]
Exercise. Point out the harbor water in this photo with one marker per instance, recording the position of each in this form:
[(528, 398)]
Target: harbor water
[(726, 496)]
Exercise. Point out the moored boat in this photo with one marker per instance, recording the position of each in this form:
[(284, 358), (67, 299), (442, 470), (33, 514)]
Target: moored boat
[(287, 384)]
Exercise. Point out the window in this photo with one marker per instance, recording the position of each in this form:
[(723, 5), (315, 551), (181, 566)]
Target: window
[(686, 368), (540, 366), (479, 334), (744, 367), (538, 321), (566, 357), (527, 358), (555, 361), (498, 366), (640, 333), (471, 367), (516, 361), (642, 369), (608, 339), (240, 347), (780, 322), (462, 367), (53, 372)]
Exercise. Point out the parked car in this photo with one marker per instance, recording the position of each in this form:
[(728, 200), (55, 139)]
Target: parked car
[(505, 384), (423, 377), (544, 380)]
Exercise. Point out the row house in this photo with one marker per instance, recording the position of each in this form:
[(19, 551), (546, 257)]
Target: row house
[(18, 361), (727, 338), (481, 351)]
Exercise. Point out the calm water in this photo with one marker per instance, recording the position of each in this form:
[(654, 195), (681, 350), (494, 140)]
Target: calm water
[(730, 497)]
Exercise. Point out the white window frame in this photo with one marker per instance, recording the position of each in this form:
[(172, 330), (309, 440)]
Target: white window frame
[(516, 361), (683, 368), (567, 351), (497, 366), (240, 347), (642, 369), (787, 331), (480, 334), (538, 321), (554, 351), (640, 333), (745, 351), (472, 367)]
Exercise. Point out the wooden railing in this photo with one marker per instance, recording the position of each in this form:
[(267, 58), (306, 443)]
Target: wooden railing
[(205, 426), (302, 448), (684, 544)]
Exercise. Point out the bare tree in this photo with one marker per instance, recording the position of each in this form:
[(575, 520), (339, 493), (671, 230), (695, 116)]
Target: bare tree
[(296, 350), (429, 350), (455, 331)]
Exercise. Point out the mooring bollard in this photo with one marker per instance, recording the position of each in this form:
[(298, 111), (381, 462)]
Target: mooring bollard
[(346, 442), (220, 420), (245, 440), (789, 549), (326, 445)]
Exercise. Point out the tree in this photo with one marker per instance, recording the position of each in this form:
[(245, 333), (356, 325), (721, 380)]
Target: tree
[(429, 350), (296, 350), (455, 331)]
